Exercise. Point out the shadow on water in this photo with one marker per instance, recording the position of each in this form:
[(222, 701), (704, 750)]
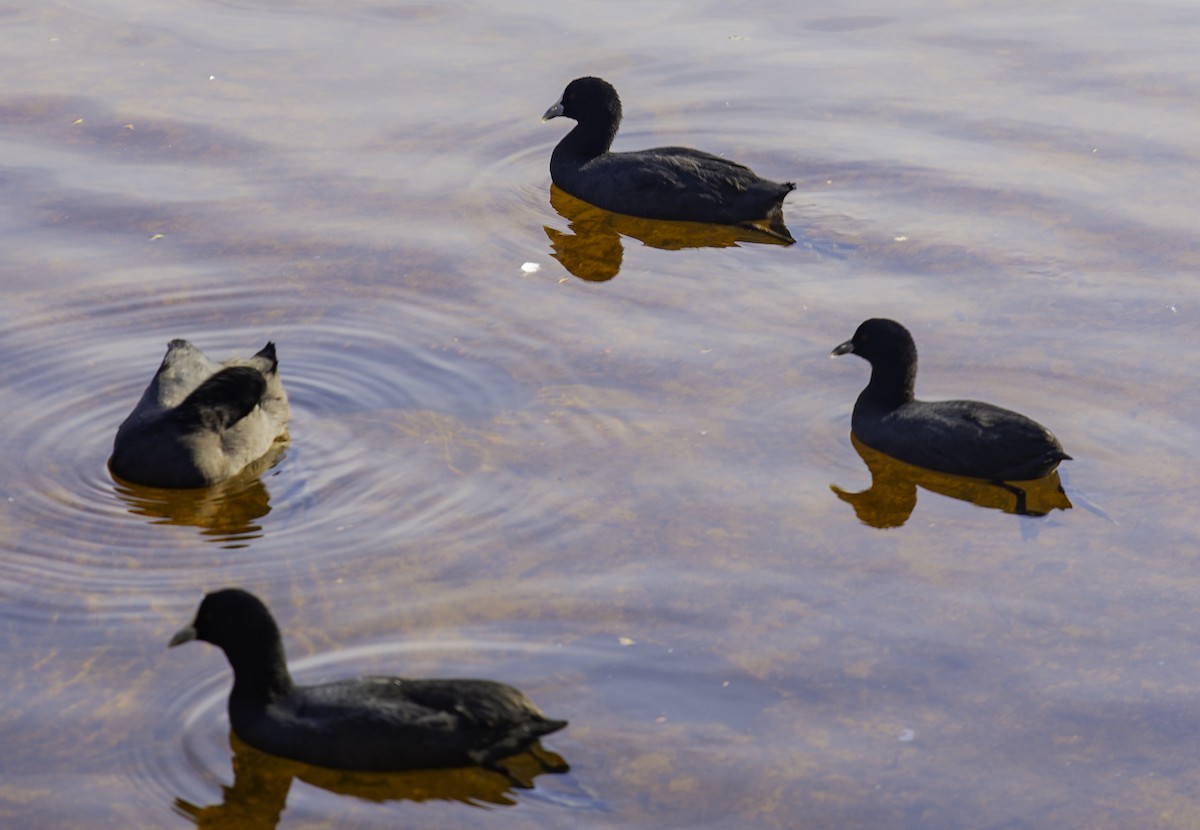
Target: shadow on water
[(890, 499), (261, 784), (592, 250), (226, 513)]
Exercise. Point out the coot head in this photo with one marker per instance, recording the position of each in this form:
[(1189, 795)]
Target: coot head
[(238, 623), (890, 350), (227, 617), (589, 101), (879, 339)]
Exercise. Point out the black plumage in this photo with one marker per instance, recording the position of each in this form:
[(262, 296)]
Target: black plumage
[(967, 438), (670, 183), (366, 723)]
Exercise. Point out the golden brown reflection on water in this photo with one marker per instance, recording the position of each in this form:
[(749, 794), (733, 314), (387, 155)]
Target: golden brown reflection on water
[(593, 249), (261, 782), (892, 496), (226, 513)]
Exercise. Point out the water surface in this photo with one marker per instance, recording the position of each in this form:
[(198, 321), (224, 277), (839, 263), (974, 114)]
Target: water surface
[(611, 479)]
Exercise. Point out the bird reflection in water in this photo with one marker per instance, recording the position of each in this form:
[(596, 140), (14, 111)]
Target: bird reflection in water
[(226, 513), (890, 499), (261, 783), (593, 251)]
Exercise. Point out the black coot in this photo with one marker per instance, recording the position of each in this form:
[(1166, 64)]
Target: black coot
[(366, 723), (672, 183), (966, 438)]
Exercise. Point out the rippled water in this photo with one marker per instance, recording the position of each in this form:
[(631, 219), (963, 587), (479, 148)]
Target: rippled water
[(605, 460)]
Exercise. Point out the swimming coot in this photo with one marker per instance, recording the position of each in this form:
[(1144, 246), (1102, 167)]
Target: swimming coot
[(367, 723), (200, 422), (675, 183), (965, 438)]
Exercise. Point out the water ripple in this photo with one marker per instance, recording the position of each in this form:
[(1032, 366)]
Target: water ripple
[(188, 762), (393, 407)]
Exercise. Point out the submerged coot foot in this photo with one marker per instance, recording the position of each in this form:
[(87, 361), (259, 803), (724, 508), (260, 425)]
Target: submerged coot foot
[(200, 422), (367, 723), (675, 183), (966, 438)]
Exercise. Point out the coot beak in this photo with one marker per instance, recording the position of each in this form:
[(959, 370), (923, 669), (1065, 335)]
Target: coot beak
[(183, 635), (554, 112), (844, 348)]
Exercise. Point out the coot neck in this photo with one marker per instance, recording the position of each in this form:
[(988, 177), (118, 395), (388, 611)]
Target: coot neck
[(588, 139), (260, 672), (893, 381)]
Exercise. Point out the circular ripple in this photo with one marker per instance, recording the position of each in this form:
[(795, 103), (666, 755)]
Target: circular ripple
[(390, 426), (188, 763), (638, 698), (513, 190)]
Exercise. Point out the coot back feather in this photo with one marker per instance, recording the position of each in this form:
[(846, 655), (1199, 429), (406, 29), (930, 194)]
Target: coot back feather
[(200, 422)]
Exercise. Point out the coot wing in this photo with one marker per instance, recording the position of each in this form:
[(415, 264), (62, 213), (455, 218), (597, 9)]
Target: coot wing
[(968, 438)]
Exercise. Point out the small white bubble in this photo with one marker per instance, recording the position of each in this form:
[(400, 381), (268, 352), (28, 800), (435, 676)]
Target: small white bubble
[(907, 736), (530, 268)]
